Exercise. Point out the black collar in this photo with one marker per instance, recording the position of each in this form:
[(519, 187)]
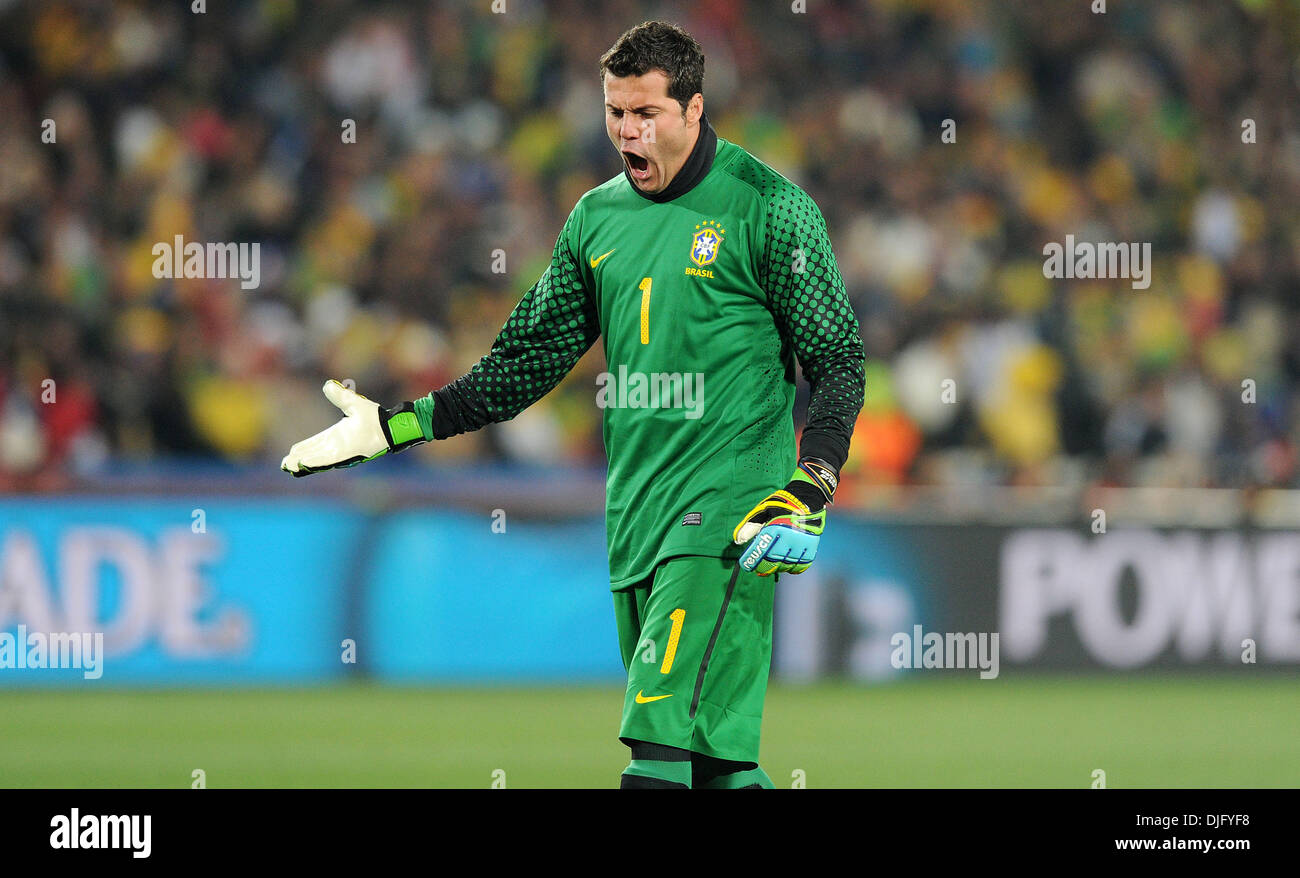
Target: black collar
[(696, 168)]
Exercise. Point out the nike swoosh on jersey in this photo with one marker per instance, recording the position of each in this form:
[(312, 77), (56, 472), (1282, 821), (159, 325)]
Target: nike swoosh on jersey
[(596, 261), (642, 699)]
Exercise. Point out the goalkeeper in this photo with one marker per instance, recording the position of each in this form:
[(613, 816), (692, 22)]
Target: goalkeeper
[(708, 274)]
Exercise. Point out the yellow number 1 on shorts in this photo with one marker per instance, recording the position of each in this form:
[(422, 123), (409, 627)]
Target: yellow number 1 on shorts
[(674, 634)]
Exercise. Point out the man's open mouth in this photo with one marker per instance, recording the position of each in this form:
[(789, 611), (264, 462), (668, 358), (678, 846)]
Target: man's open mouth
[(637, 165)]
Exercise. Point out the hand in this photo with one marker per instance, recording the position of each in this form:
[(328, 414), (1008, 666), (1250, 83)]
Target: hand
[(782, 536), (784, 529), (367, 431)]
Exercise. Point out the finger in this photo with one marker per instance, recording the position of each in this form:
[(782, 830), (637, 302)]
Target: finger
[(747, 532), (794, 554), (754, 553), (293, 460), (343, 398), (306, 454), (780, 545)]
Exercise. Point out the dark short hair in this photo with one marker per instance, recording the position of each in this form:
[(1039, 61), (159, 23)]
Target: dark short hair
[(657, 45)]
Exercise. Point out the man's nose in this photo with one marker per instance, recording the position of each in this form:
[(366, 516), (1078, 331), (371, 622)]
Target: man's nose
[(629, 128)]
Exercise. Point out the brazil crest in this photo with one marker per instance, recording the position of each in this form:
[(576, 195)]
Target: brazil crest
[(705, 244)]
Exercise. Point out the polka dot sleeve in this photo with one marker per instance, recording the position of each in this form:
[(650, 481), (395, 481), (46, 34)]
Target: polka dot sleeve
[(547, 333), (812, 311)]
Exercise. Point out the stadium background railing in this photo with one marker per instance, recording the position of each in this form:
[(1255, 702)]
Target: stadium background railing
[(217, 575)]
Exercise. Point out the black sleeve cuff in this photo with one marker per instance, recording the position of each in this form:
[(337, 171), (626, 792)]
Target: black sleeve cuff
[(824, 446), (445, 419)]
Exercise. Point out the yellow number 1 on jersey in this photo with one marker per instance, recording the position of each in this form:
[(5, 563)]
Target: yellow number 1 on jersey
[(645, 310)]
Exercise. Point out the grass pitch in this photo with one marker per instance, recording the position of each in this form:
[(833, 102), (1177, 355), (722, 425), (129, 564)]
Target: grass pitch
[(938, 732)]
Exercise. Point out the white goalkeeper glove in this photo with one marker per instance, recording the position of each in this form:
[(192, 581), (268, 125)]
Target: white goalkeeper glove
[(368, 430)]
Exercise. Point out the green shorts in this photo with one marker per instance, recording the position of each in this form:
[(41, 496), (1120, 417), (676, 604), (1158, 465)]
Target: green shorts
[(696, 640)]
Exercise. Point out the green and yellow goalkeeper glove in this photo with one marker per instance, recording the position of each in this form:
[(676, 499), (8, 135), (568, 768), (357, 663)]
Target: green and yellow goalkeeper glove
[(368, 430), (784, 529)]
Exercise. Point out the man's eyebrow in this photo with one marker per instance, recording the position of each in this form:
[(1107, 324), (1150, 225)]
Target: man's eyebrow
[(640, 111)]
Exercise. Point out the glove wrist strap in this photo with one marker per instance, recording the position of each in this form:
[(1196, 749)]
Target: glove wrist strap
[(401, 427), (814, 482)]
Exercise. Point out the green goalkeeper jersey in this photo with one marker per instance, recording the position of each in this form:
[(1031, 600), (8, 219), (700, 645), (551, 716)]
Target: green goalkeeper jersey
[(704, 302)]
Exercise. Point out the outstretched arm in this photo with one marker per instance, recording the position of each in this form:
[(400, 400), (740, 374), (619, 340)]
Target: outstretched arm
[(547, 333)]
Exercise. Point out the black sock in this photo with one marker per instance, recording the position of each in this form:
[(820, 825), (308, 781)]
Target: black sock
[(656, 767)]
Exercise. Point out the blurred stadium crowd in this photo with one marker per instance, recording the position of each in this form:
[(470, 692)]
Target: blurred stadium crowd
[(476, 133)]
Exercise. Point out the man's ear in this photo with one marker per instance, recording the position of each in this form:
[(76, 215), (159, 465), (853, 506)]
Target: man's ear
[(694, 108)]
